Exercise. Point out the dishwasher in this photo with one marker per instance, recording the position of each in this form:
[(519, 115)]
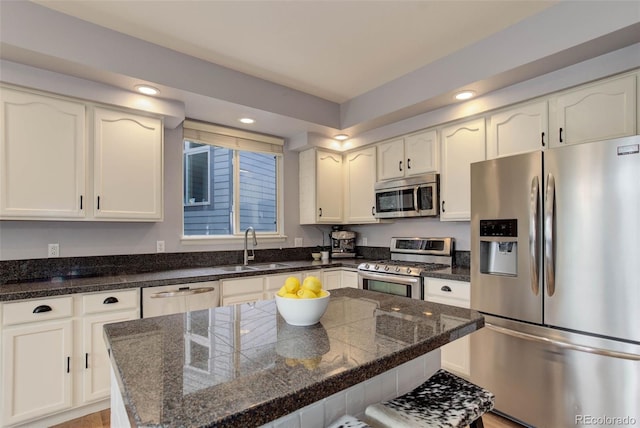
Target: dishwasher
[(174, 299)]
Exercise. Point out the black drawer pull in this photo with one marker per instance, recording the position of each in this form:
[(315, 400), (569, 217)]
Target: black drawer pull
[(445, 288), (68, 364), (110, 300), (42, 308), (86, 360)]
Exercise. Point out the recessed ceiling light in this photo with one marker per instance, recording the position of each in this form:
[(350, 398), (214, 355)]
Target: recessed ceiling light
[(147, 90), (465, 95), (341, 137), (246, 120)]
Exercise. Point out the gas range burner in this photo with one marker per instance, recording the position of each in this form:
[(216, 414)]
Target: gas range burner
[(412, 256), (401, 267)]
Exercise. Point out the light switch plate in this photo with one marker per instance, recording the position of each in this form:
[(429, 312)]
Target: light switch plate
[(297, 242), (160, 246)]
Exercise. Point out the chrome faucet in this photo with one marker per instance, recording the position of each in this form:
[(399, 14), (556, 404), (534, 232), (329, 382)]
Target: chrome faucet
[(248, 256)]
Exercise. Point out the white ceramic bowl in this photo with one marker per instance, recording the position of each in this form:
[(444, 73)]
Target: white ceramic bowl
[(302, 312), (316, 256)]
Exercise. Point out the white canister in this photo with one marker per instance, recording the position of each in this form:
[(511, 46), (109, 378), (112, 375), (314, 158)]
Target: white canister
[(325, 256)]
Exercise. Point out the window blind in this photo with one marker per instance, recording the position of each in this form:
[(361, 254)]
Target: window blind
[(236, 139)]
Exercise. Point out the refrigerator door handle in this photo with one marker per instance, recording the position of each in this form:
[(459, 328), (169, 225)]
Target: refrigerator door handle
[(562, 344), (549, 215), (533, 234)]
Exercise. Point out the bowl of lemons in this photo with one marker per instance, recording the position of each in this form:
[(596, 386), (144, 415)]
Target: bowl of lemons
[(302, 304)]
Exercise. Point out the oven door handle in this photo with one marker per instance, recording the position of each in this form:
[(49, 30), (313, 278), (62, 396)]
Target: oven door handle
[(398, 279)]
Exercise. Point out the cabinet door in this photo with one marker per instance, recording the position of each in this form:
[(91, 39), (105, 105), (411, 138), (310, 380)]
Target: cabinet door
[(519, 130), (42, 157), (421, 153), (349, 278), (329, 187), (242, 290), (95, 368), (128, 166), (361, 179), (462, 144), (455, 356), (36, 370), (595, 112), (332, 279), (391, 159)]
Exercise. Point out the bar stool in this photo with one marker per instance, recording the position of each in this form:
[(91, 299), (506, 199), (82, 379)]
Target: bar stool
[(444, 400), (348, 421)]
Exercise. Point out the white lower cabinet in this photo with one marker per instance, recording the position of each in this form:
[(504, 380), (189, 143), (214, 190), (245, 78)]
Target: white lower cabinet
[(254, 288), (349, 278), (54, 360), (456, 356), (339, 278)]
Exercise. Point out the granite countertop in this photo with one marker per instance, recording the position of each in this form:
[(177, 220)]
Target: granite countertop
[(244, 366), (61, 286)]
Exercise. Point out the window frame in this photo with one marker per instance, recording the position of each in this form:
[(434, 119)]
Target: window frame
[(193, 151), (238, 236)]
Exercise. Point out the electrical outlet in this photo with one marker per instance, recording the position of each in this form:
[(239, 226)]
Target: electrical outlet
[(53, 250), (364, 240), (159, 246), (298, 242)]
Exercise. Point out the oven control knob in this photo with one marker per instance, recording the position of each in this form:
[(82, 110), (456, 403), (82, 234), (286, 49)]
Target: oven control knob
[(386, 268), (376, 267), (397, 268), (408, 270), (366, 266)]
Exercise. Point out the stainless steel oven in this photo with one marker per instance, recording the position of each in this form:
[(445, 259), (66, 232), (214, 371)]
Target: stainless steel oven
[(409, 197), (402, 274)]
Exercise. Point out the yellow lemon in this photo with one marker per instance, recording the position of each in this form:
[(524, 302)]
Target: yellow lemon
[(282, 291), (304, 293), (322, 293), (312, 283), (291, 296), (292, 284)]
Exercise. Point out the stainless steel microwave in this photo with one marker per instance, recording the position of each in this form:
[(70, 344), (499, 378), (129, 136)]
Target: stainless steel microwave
[(408, 197)]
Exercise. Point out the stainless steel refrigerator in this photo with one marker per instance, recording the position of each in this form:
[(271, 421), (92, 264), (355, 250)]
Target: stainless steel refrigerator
[(555, 268)]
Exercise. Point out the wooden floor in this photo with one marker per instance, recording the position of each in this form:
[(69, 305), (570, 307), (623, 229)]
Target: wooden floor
[(102, 420)]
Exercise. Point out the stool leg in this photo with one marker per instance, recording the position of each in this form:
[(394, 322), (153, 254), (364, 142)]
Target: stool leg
[(477, 423)]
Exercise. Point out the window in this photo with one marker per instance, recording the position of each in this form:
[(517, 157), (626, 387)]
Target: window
[(231, 181)]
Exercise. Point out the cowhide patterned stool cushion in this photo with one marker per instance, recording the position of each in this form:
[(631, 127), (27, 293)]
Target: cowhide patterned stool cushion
[(348, 421), (443, 401)]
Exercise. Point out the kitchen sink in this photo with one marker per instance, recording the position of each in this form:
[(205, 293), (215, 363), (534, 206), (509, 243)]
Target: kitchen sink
[(239, 268), (274, 265)]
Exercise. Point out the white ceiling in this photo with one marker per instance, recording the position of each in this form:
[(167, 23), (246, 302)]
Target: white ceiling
[(335, 50)]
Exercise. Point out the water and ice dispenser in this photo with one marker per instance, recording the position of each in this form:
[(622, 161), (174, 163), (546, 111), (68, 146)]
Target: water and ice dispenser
[(499, 247)]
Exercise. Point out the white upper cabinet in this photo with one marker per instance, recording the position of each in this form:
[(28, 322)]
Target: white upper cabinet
[(598, 111), (462, 144), (360, 199), (320, 179), (517, 130), (43, 151), (127, 166), (46, 172), (410, 155)]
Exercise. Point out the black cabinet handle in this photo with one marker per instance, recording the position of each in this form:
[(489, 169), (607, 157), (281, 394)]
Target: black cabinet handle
[(408, 163), (110, 300), (445, 288), (542, 139), (42, 308), (400, 166), (320, 212), (98, 202), (442, 206), (561, 135), (68, 364), (80, 201), (86, 360), (373, 210)]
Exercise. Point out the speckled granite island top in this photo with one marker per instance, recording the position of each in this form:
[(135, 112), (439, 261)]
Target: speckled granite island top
[(244, 366)]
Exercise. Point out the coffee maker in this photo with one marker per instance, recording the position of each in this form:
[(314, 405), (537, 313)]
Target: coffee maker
[(343, 243)]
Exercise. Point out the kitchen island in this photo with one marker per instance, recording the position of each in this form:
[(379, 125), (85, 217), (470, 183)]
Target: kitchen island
[(244, 366)]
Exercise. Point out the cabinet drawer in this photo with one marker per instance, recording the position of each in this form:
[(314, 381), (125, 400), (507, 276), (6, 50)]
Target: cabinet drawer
[(441, 290), (242, 286), (37, 310), (110, 301)]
